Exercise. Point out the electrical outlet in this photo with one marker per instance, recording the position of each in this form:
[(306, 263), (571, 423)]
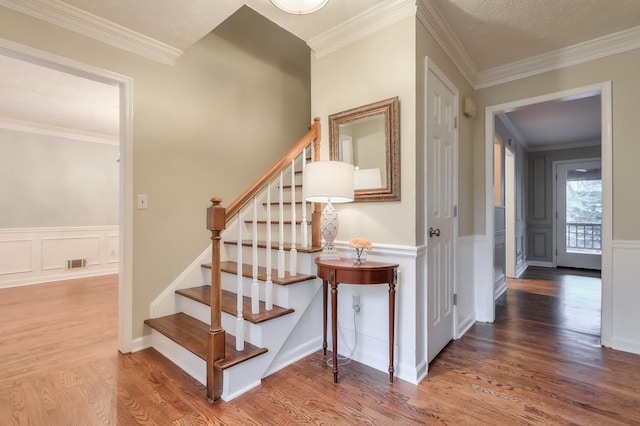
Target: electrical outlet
[(355, 303), (142, 201)]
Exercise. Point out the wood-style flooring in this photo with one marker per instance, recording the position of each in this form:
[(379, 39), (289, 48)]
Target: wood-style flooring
[(535, 365)]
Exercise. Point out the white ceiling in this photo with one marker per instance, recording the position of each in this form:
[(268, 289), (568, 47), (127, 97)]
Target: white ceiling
[(547, 125), (489, 33)]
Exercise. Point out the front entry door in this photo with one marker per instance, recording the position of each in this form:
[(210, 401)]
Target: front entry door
[(441, 163)]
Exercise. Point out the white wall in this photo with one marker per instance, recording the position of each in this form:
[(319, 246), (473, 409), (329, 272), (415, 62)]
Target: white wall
[(51, 181)]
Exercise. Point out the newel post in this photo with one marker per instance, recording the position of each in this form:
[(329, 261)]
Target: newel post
[(316, 238), (216, 338)]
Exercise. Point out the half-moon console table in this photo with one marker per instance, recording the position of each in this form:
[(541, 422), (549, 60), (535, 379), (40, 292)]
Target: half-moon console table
[(334, 272)]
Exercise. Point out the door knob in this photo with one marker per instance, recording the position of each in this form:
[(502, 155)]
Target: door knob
[(433, 232)]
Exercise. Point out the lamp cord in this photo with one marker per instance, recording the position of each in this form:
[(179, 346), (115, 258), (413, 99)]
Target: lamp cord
[(342, 360)]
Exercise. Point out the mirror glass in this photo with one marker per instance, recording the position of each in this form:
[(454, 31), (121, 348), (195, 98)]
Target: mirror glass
[(369, 138)]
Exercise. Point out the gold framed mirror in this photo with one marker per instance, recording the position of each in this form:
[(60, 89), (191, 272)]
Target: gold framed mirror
[(369, 138)]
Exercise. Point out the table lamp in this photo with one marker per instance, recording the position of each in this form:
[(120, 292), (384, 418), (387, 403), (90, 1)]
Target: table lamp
[(328, 182)]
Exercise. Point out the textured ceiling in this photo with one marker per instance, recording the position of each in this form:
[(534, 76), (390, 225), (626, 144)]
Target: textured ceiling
[(57, 101), (498, 32), (493, 32), (181, 23)]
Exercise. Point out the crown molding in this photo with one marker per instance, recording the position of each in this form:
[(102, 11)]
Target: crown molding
[(429, 15), (515, 132), (368, 22), (77, 20), (55, 131), (608, 45)]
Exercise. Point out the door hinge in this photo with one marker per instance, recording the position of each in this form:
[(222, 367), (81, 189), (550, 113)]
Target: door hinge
[(455, 299), (556, 252), (455, 122), (455, 211)]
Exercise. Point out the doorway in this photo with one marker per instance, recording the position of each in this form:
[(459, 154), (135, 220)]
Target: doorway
[(578, 198), (125, 167), (485, 306)]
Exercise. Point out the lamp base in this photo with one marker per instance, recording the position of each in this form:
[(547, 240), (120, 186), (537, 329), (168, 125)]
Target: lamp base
[(329, 253), (329, 230)]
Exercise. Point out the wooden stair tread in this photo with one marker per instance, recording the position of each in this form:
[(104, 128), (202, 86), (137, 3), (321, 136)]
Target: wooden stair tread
[(202, 294), (275, 246), (286, 203), (247, 271), (276, 222), (191, 334)]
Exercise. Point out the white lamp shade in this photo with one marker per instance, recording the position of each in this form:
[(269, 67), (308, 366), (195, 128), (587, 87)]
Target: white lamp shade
[(299, 7), (325, 181)]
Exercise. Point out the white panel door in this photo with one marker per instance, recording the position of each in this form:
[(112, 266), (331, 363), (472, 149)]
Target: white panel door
[(579, 214), (440, 216)]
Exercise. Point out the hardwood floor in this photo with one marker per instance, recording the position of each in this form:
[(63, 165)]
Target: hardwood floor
[(59, 366)]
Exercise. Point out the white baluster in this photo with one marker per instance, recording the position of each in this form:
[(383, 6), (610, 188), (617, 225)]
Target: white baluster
[(268, 297), (239, 295), (255, 290), (281, 229), (293, 253), (305, 235)]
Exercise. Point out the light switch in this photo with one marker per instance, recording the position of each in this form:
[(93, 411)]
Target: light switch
[(142, 201)]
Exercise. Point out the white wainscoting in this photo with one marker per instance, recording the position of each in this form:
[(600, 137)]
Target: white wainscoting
[(626, 296), (372, 322), (465, 284), (37, 255)]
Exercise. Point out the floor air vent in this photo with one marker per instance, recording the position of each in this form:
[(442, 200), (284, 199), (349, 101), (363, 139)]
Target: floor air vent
[(76, 263)]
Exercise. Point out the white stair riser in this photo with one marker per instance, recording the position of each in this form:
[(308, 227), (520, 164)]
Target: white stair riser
[(262, 231), (247, 257), (192, 364), (280, 293), (243, 377)]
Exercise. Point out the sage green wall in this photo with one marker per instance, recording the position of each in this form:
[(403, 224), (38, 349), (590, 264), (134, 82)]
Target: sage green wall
[(51, 181), (210, 125), (622, 71)]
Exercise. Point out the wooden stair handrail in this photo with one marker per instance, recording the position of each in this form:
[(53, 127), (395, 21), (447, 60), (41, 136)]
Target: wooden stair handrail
[(313, 135), (217, 219)]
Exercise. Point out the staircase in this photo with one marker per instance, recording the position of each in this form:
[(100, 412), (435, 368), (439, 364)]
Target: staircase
[(236, 325)]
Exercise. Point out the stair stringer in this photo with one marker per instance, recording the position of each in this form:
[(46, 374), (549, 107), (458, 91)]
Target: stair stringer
[(242, 377)]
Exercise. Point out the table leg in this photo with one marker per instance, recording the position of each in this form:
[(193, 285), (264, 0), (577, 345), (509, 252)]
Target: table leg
[(334, 329), (324, 317), (392, 317)]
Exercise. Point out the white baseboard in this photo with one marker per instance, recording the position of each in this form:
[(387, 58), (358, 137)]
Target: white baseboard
[(540, 264), (295, 354), (422, 370), (141, 343), (465, 324), (86, 273), (625, 345), (523, 267), (499, 288)]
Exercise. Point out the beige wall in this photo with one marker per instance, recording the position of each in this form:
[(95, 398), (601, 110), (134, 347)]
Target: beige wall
[(239, 96), (427, 47), (378, 67), (622, 71)]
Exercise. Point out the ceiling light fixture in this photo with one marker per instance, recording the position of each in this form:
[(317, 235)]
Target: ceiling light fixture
[(299, 7)]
